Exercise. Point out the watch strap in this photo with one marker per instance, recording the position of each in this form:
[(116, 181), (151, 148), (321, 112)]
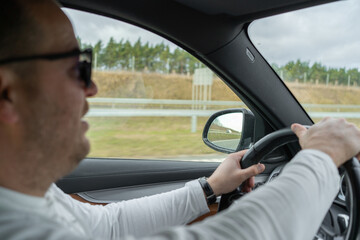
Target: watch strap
[(209, 193)]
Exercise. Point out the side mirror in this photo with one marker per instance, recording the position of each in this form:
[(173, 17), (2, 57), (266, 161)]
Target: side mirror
[(230, 130)]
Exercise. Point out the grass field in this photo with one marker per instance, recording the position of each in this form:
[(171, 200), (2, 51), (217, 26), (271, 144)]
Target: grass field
[(150, 137), (170, 137)]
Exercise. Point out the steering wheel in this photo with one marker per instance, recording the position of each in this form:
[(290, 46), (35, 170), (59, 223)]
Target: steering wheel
[(334, 224)]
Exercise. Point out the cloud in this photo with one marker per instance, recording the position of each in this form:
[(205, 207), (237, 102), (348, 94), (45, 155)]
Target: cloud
[(328, 34), (91, 28)]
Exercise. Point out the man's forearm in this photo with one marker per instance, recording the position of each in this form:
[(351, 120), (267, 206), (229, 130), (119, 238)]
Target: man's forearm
[(291, 207), (144, 216)]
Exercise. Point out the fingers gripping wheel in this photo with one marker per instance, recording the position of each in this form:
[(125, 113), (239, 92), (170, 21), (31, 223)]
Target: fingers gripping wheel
[(267, 144), (284, 136), (255, 154)]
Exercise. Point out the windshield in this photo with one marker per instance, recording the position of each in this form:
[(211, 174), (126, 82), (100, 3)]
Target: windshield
[(316, 52)]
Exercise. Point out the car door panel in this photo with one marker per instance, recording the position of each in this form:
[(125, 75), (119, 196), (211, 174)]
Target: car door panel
[(107, 180), (129, 192)]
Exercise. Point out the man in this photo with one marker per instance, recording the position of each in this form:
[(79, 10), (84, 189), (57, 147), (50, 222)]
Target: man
[(43, 90)]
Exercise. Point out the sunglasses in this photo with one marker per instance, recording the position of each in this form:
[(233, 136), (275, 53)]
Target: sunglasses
[(84, 64)]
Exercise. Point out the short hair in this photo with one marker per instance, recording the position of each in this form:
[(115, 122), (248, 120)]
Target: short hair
[(19, 30), (20, 35)]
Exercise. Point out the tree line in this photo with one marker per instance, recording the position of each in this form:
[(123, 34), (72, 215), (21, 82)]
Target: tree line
[(141, 56), (159, 58), (303, 71)]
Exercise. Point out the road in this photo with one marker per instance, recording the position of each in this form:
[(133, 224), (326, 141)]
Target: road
[(229, 143)]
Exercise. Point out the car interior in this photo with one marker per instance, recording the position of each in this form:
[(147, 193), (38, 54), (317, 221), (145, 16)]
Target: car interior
[(217, 34)]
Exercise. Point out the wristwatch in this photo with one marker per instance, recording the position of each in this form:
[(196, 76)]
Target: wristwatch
[(209, 193)]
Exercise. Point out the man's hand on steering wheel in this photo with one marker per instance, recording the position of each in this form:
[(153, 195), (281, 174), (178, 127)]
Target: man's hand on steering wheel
[(335, 137), (229, 175), (340, 145)]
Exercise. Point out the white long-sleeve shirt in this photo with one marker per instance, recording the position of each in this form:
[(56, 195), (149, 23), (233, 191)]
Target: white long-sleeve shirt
[(290, 207)]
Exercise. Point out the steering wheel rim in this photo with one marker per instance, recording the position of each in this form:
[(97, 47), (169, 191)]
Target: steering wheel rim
[(284, 136)]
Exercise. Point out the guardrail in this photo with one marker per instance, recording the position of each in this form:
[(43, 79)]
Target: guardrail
[(116, 107), (204, 103), (164, 101)]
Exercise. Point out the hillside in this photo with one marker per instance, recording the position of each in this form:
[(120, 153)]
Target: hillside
[(174, 86), (170, 137)]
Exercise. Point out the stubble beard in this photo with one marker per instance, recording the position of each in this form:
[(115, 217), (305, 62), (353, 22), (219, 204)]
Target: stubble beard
[(54, 148)]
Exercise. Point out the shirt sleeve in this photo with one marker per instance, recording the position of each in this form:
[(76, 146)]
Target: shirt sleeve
[(143, 216), (290, 207), (280, 210)]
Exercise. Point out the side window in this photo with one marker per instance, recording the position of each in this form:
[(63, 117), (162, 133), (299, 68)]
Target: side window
[(316, 52), (154, 98)]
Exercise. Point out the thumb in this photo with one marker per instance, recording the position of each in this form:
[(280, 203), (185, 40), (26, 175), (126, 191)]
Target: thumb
[(252, 171), (298, 129)]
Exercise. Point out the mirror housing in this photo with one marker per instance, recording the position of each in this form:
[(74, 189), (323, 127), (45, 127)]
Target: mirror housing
[(230, 130)]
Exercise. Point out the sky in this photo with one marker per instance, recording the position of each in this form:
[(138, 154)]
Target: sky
[(102, 28), (329, 34), (232, 121)]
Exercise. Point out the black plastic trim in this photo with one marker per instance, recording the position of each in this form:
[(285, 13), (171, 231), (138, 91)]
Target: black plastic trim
[(99, 173)]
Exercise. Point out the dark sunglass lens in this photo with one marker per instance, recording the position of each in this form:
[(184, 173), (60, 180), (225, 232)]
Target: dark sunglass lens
[(85, 72), (86, 64)]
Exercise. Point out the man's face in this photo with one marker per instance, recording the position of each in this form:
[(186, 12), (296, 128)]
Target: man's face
[(54, 103)]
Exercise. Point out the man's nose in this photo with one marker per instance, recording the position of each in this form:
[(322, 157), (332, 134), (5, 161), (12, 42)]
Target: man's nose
[(91, 90)]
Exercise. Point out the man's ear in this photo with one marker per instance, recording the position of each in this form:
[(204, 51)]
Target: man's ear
[(8, 115)]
